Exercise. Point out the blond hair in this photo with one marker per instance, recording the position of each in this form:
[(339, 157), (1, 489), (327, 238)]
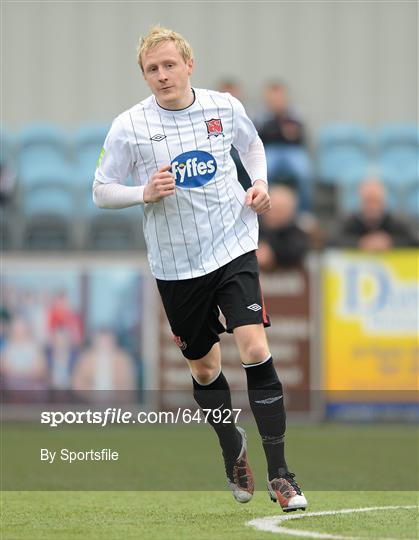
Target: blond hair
[(158, 35)]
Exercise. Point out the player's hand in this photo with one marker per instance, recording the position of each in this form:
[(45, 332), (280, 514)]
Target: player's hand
[(257, 197), (161, 184)]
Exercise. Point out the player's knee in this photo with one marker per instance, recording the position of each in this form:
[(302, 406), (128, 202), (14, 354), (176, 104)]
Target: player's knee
[(204, 374), (254, 353)]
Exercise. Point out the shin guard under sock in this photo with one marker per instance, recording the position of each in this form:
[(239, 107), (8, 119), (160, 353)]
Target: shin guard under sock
[(216, 395), (267, 404)]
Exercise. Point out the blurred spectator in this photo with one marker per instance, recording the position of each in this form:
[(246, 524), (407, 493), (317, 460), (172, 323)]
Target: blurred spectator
[(23, 365), (234, 88), (282, 242), (373, 227), (283, 135), (231, 86), (33, 305), (61, 358), (104, 366), (61, 314), (7, 183), (4, 325)]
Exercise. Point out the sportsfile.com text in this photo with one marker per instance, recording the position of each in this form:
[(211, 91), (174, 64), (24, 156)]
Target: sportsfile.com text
[(118, 416)]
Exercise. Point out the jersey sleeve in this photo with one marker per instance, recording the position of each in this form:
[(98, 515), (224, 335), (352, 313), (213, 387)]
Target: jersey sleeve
[(116, 160), (254, 161), (244, 132)]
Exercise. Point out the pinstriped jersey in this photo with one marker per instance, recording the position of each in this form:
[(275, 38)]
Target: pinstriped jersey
[(205, 224)]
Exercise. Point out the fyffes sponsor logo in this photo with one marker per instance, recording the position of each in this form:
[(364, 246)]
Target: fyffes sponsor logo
[(194, 169)]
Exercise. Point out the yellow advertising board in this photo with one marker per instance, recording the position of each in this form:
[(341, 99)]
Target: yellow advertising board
[(370, 323)]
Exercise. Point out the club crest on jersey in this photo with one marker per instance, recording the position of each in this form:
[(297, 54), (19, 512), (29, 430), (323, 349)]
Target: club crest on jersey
[(214, 127), (194, 169)]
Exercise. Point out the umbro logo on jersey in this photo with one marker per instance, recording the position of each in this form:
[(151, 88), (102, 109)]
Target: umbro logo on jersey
[(194, 169), (254, 307), (214, 127), (158, 137)]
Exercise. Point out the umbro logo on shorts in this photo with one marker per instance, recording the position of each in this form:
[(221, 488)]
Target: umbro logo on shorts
[(254, 307), (157, 137)]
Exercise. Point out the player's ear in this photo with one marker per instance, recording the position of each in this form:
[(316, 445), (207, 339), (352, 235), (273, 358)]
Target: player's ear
[(190, 64)]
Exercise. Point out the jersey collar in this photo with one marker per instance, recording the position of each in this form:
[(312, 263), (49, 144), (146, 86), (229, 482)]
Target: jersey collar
[(172, 112)]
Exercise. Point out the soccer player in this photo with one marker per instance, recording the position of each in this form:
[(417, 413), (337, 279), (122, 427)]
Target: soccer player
[(201, 232)]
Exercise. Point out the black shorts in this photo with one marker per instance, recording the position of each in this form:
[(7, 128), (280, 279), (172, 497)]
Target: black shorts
[(193, 305)]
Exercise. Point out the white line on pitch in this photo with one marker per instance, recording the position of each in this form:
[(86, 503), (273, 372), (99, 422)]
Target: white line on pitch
[(271, 523)]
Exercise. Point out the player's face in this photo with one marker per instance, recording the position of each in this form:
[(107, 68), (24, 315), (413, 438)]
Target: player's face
[(167, 75)]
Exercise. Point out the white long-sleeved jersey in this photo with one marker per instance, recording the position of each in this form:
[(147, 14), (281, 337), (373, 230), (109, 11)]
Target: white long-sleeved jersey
[(205, 224)]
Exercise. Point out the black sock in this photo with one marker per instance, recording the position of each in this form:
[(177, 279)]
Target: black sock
[(216, 395), (267, 404)]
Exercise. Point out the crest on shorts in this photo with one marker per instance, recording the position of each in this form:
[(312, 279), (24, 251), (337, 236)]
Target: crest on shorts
[(181, 344), (214, 127)]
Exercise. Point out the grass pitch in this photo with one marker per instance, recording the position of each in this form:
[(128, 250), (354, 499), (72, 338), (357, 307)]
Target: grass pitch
[(338, 466), (193, 515)]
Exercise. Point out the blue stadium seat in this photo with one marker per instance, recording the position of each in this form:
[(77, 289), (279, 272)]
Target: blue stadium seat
[(113, 229), (91, 134), (412, 202), (343, 152), (51, 200), (88, 142), (49, 213), (10, 235), (102, 227), (43, 156), (7, 146), (398, 133), (398, 153)]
